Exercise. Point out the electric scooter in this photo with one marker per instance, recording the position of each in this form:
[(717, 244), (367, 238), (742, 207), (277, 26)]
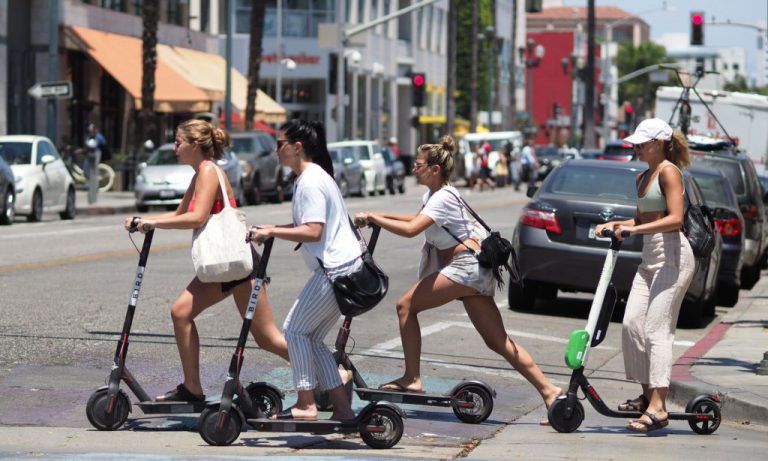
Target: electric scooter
[(108, 407), (379, 424), (566, 413)]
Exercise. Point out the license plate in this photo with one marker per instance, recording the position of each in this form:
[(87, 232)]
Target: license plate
[(167, 193), (593, 236)]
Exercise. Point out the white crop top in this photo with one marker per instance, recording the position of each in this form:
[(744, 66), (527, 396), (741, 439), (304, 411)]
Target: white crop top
[(445, 209)]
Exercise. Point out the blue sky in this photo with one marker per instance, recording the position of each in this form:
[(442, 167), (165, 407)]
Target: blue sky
[(746, 11)]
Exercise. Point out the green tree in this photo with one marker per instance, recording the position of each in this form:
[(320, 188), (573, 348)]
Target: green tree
[(464, 57), (640, 91)]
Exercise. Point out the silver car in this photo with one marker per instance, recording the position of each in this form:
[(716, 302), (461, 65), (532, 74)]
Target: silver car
[(162, 181), (347, 171), (368, 153)]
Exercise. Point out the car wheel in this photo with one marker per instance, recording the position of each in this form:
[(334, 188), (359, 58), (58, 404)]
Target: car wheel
[(522, 298), (36, 213), (691, 313), (8, 207), (142, 208), (727, 295), (70, 211), (279, 195), (363, 187), (750, 275), (254, 196)]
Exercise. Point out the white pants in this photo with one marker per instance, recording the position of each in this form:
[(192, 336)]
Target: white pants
[(312, 316), (653, 306)]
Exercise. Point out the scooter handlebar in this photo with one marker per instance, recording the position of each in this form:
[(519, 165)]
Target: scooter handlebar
[(134, 224), (610, 233)]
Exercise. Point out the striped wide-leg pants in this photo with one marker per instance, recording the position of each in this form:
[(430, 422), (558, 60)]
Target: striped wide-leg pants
[(662, 279)]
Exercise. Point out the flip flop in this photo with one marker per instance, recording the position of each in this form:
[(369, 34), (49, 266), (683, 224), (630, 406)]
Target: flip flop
[(649, 425), (181, 394), (632, 405), (288, 414), (394, 386)]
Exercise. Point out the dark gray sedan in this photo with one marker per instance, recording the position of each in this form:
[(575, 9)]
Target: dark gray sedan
[(557, 247), (347, 171)]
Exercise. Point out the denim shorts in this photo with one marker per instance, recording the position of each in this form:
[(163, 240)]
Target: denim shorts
[(464, 269)]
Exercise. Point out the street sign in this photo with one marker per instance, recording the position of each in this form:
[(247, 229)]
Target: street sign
[(51, 90)]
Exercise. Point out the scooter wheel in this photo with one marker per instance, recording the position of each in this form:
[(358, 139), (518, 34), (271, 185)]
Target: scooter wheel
[(472, 403), (265, 399), (704, 405), (381, 427), (100, 418), (559, 420), (216, 432)]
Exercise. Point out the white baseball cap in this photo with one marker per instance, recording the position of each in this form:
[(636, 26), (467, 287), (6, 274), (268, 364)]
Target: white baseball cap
[(650, 128)]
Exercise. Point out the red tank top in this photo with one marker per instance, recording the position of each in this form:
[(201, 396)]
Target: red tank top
[(218, 205)]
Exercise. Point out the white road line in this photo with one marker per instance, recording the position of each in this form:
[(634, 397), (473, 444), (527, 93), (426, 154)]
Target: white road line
[(78, 230)]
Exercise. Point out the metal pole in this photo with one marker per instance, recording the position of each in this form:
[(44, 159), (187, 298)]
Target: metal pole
[(340, 74), (228, 56), (490, 82), (529, 93), (53, 71), (279, 77), (607, 84)]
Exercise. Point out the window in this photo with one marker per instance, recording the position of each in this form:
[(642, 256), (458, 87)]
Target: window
[(16, 153), (592, 182), (300, 17)]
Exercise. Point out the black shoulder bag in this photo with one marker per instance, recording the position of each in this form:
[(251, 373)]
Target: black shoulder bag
[(359, 291), (496, 252), (698, 226)]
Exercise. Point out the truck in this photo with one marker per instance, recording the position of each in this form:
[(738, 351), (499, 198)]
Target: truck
[(743, 115)]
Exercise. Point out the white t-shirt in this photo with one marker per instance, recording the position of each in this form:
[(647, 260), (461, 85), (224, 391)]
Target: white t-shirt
[(317, 199), (445, 209)]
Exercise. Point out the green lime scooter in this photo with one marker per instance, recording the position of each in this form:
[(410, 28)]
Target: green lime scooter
[(566, 413)]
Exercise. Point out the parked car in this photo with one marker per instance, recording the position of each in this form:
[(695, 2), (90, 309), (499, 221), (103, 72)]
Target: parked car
[(740, 171), (7, 194), (619, 151), (549, 158), (395, 172), (162, 180), (722, 202), (262, 174), (347, 171), (42, 182), (557, 247), (368, 153)]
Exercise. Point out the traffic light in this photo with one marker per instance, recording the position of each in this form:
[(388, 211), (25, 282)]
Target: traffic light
[(697, 27), (418, 89), (628, 115)]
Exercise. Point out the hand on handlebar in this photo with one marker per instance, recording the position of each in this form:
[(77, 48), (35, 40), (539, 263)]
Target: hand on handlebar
[(258, 234), (362, 219), (136, 223)]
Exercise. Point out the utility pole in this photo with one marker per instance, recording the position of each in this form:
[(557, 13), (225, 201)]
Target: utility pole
[(589, 80), (510, 120), (53, 70), (450, 102), (228, 56), (473, 67)]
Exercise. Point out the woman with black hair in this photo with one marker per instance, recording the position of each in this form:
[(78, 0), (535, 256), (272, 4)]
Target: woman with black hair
[(321, 225)]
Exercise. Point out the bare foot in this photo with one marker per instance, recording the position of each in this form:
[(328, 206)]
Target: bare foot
[(309, 413), (549, 397), (403, 385), (346, 375)]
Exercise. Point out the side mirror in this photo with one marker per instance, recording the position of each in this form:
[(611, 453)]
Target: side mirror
[(348, 161), (47, 158), (142, 165), (149, 145), (531, 191)]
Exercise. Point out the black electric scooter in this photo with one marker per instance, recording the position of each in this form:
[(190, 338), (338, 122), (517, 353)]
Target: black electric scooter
[(379, 424), (108, 406), (566, 413)]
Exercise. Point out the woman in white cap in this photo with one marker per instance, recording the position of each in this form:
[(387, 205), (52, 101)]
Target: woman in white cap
[(664, 274)]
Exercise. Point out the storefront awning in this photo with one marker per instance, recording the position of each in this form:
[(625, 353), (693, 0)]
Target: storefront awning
[(207, 72), (120, 56)]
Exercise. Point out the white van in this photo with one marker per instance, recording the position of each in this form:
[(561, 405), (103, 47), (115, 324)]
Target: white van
[(497, 140)]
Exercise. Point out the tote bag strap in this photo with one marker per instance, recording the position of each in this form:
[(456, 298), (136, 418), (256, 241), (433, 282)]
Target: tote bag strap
[(361, 241), (224, 197)]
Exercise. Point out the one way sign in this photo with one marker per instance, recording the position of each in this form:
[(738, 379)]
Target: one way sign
[(51, 90)]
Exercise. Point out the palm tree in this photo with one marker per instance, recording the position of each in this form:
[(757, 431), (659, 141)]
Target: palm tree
[(258, 8), (473, 68), (510, 120), (149, 18)]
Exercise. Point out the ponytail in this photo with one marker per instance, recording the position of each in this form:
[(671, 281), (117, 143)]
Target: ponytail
[(311, 134), (676, 150)]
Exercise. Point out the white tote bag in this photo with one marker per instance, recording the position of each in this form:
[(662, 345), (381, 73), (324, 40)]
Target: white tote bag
[(219, 250)]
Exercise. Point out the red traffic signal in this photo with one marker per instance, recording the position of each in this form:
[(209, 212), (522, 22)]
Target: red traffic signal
[(628, 109), (697, 28), (418, 89)]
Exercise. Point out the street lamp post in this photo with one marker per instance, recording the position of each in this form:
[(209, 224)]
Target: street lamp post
[(533, 54), (490, 37), (576, 69)]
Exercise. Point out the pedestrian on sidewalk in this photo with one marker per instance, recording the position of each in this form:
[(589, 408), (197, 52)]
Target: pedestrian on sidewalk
[(449, 271), (199, 145), (529, 164), (664, 274), (330, 249)]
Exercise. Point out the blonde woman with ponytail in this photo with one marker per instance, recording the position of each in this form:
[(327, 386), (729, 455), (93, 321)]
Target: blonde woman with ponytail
[(453, 273), (664, 274), (199, 144)]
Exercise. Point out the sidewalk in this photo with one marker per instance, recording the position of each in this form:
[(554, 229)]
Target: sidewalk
[(107, 203)]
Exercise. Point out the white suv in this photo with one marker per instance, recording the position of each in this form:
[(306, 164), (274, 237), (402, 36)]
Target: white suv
[(368, 153)]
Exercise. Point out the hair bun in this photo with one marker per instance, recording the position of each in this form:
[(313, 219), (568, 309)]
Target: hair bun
[(448, 144), (221, 137)]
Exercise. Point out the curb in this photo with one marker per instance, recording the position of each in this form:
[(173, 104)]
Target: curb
[(105, 210), (684, 386)]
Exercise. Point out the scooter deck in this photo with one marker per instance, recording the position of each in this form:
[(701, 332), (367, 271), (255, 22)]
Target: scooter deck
[(156, 407), (320, 426), (414, 398)]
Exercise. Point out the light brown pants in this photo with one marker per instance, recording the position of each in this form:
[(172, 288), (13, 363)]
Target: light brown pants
[(654, 303)]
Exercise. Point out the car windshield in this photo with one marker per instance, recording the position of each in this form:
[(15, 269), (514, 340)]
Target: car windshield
[(730, 168), (588, 181), (361, 152), (163, 157), (242, 146), (335, 155), (714, 189), (16, 153)]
